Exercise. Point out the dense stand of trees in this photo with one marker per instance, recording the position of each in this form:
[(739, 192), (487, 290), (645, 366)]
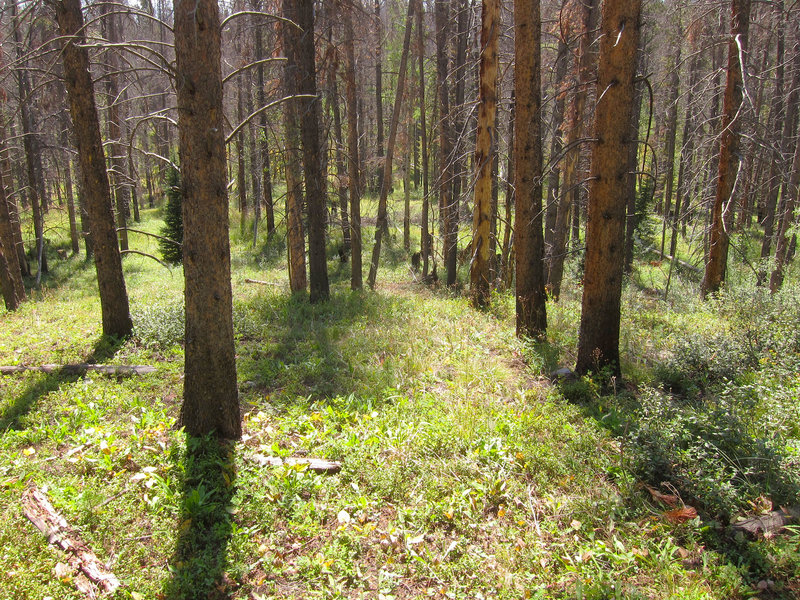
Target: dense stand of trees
[(488, 103)]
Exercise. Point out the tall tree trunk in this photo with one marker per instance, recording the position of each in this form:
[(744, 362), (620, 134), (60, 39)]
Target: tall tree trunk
[(379, 171), (556, 144), (33, 153), (787, 218), (507, 270), (717, 260), (312, 158), (631, 218), (241, 185), (210, 393), (352, 149), (382, 224), (485, 149), (528, 238), (598, 343), (341, 169), (425, 236), (10, 273), (447, 204), (262, 123), (407, 190), (570, 187), (256, 171), (86, 126), (673, 89), (782, 131), (120, 190), (461, 8), (294, 186)]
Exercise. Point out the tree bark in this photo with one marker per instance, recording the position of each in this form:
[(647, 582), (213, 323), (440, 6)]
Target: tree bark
[(352, 150), (210, 393), (717, 260), (319, 290), (10, 273), (86, 126), (598, 343), (485, 150), (382, 224), (294, 186), (447, 205), (528, 238), (33, 153)]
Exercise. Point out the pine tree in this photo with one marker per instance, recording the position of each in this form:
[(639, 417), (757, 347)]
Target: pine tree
[(171, 247)]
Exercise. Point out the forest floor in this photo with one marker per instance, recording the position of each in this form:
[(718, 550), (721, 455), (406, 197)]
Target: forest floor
[(466, 473)]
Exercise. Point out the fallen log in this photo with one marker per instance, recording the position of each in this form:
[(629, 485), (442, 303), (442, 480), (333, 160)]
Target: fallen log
[(318, 465), (80, 369), (768, 523), (93, 574), (259, 282)]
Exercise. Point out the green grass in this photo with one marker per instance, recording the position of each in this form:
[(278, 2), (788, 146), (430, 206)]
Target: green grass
[(466, 474)]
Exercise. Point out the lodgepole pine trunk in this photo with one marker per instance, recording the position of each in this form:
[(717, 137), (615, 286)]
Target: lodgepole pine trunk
[(729, 159), (528, 238), (95, 187), (382, 223), (485, 150), (598, 342), (210, 393)]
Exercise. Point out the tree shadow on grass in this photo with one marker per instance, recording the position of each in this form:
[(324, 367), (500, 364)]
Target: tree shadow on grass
[(297, 350), (199, 564), (44, 383)]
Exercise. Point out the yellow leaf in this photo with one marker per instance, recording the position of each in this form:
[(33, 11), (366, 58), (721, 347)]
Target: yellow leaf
[(29, 451)]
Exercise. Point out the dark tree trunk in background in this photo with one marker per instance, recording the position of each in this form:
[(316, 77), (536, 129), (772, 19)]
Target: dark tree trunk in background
[(33, 152), (633, 159), (556, 145), (379, 171), (95, 188), (341, 159), (116, 120), (10, 273), (598, 342), (262, 124), (782, 131), (312, 157), (210, 392), (382, 225), (425, 236), (570, 187), (294, 185), (717, 260), (447, 204), (528, 238), (787, 218), (673, 88), (352, 149)]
